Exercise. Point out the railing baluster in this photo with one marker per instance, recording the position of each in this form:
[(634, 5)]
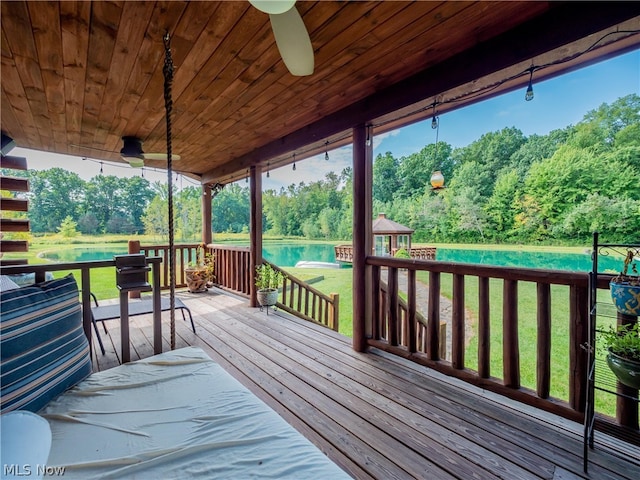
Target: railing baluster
[(376, 316), (433, 317), (392, 303), (411, 313), (484, 329), (543, 371), (510, 346), (457, 323)]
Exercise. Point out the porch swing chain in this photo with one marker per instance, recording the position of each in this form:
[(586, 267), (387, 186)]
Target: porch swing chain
[(168, 104)]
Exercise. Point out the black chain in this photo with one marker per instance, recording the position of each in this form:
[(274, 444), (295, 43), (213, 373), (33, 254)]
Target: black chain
[(167, 70)]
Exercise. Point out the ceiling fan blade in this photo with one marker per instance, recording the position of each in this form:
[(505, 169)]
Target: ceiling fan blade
[(160, 156), (273, 6), (293, 42)]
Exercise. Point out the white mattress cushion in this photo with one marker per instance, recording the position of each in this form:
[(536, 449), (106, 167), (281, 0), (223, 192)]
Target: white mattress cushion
[(176, 415)]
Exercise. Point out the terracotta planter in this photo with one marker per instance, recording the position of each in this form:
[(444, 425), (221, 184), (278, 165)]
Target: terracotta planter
[(197, 279), (627, 371), (267, 297), (626, 298)]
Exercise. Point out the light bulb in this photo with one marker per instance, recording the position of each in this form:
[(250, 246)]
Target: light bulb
[(529, 95), (434, 122)]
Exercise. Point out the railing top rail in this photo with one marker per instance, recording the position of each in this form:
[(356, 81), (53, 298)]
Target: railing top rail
[(234, 248), (302, 283), (556, 277), (53, 267), (177, 245)]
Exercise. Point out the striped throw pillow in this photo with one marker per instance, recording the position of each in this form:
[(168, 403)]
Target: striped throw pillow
[(43, 349)]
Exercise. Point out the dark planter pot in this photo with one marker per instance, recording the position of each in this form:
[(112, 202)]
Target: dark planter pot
[(626, 298), (627, 371), (267, 297)]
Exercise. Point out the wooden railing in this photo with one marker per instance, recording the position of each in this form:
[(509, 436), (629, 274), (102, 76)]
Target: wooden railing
[(185, 254), (403, 324), (304, 301), (344, 253), (401, 333), (84, 284), (232, 273), (232, 268)]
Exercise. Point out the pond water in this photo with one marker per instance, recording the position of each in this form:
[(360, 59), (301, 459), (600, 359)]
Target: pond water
[(287, 255)]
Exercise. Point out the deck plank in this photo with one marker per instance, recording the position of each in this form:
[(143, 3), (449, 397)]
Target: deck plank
[(374, 414)]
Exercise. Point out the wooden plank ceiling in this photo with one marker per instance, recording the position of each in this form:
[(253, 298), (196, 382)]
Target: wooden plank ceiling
[(77, 76)]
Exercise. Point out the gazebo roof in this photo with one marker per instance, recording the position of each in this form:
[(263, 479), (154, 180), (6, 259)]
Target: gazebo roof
[(383, 226)]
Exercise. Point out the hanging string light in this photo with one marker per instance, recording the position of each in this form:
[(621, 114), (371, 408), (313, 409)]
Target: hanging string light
[(434, 119), (528, 96), (294, 162), (246, 180), (326, 151), (437, 179), (142, 172), (101, 172), (267, 169)]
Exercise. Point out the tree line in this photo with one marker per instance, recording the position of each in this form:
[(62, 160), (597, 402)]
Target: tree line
[(504, 187)]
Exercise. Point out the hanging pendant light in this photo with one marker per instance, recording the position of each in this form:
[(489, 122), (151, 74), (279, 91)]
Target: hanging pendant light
[(437, 180)]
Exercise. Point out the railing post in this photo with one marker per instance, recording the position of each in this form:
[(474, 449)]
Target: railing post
[(334, 312), (134, 247), (578, 335), (626, 408), (392, 305), (255, 230)]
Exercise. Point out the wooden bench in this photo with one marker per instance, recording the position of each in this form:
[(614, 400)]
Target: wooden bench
[(101, 313)]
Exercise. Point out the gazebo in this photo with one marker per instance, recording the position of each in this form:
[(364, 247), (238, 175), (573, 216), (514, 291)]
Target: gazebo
[(388, 238)]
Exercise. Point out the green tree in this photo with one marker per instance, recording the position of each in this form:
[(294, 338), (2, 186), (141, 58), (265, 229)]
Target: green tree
[(385, 177), (54, 195), (68, 228)]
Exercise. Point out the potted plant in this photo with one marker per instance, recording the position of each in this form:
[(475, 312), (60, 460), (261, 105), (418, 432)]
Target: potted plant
[(623, 353), (268, 281), (199, 273), (625, 287)]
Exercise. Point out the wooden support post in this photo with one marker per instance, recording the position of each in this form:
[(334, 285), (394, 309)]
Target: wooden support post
[(206, 214), (255, 229), (362, 225), (334, 312)]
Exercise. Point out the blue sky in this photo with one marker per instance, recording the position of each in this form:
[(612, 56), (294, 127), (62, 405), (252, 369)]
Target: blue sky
[(557, 103)]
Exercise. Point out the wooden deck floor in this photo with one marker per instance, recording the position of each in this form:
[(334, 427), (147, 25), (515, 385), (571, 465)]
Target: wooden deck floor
[(375, 415)]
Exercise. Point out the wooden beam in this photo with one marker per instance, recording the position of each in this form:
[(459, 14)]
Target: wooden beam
[(14, 205), (14, 225), (14, 163), (14, 246), (564, 23), (14, 184)]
